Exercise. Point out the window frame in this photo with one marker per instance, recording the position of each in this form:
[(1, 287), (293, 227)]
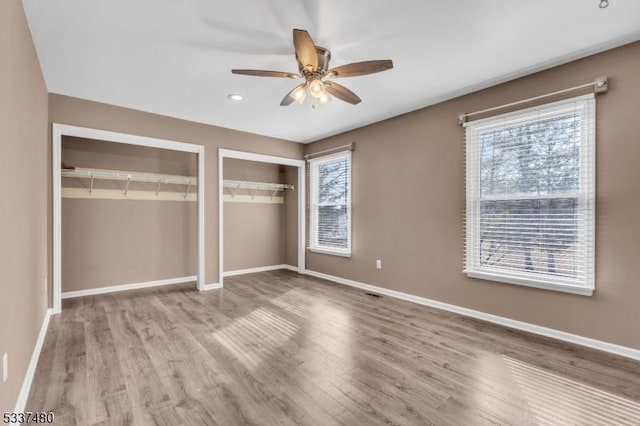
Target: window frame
[(585, 105), (314, 205)]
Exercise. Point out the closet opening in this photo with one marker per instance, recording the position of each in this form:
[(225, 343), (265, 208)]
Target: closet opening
[(128, 212), (261, 211)]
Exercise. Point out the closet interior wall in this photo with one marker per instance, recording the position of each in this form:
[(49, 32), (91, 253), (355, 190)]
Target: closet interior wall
[(109, 242), (289, 176), (261, 233)]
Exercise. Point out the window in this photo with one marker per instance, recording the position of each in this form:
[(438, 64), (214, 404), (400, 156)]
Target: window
[(330, 190), (530, 197)]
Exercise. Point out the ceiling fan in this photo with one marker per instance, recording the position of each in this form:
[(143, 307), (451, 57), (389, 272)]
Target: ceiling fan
[(313, 66)]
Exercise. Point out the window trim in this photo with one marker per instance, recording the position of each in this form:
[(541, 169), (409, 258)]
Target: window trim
[(586, 194), (314, 163)]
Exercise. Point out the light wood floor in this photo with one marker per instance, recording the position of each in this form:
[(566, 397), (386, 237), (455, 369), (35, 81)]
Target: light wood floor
[(279, 348)]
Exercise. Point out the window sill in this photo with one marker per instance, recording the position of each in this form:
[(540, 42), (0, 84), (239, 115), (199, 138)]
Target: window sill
[(565, 288), (330, 252)]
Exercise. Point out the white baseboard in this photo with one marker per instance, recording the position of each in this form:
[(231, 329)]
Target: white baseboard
[(624, 351), (258, 269), (213, 286), (124, 287), (33, 363)]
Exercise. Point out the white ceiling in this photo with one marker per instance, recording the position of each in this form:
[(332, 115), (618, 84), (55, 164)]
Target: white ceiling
[(174, 57)]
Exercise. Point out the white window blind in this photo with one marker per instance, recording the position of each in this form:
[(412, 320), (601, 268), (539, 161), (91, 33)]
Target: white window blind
[(330, 204), (530, 187)]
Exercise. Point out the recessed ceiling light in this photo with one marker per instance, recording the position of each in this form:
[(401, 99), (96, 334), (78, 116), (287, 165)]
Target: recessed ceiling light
[(235, 97)]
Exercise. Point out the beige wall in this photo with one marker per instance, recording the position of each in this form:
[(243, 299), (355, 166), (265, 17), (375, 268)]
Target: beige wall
[(23, 217), (408, 201), (73, 111), (81, 152), (255, 171), (290, 176), (254, 233), (114, 242)]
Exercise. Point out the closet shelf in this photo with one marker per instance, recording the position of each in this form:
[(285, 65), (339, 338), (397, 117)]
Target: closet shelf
[(128, 177), (253, 188), (256, 186), (85, 173)]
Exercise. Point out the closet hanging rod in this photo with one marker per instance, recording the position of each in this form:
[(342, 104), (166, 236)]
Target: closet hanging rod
[(86, 173), (349, 147), (600, 85), (263, 186)]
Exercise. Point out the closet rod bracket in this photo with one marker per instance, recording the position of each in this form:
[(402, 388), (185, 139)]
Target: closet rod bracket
[(126, 188), (186, 194), (255, 192)]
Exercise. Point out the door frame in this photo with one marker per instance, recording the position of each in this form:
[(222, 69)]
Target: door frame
[(283, 161), (60, 130)]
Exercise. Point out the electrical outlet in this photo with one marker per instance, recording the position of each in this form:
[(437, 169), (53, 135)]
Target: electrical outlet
[(378, 264), (5, 367)]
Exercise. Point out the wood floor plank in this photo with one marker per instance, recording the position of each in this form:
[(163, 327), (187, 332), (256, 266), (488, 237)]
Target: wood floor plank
[(282, 348), (145, 389)]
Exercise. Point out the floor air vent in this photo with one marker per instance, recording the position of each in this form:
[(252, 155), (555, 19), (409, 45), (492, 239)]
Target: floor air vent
[(377, 296)]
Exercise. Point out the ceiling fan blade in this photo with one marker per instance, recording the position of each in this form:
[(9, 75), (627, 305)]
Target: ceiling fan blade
[(361, 68), (265, 73), (289, 99), (341, 92), (305, 50)]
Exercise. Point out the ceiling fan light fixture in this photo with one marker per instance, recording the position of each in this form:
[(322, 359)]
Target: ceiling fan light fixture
[(299, 94), (316, 88), (324, 99)]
